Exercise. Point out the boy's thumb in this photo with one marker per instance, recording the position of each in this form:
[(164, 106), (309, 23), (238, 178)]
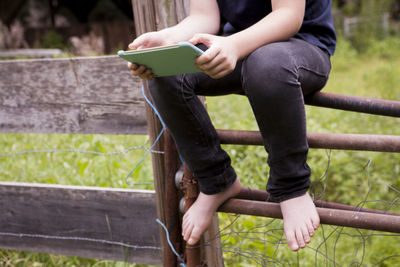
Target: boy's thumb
[(201, 38), (132, 45)]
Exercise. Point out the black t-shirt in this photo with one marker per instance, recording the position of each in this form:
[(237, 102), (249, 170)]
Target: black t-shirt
[(317, 27)]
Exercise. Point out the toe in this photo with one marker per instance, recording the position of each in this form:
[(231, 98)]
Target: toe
[(195, 236), (185, 223), (184, 226), (306, 235), (315, 222), (310, 228), (291, 240), (188, 232), (299, 238), (185, 216)]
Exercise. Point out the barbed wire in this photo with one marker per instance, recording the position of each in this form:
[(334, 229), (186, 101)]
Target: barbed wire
[(123, 152), (77, 238)]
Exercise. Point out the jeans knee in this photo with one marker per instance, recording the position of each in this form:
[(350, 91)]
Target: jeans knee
[(171, 88), (271, 68), (161, 87)]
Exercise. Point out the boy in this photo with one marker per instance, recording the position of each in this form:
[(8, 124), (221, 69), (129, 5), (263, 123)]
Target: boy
[(273, 51)]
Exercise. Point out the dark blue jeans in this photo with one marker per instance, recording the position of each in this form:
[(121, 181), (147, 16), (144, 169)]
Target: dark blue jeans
[(275, 78)]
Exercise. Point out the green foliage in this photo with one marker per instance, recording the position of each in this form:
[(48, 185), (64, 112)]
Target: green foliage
[(363, 7), (388, 49), (371, 25), (52, 40)]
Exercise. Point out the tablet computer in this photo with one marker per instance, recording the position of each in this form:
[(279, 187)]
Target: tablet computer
[(165, 60)]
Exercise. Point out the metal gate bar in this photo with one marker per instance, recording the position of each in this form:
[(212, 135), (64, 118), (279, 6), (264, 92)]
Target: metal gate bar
[(260, 195), (364, 142), (361, 220), (354, 103)]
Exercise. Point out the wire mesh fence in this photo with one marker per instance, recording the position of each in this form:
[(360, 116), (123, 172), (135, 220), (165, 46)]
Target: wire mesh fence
[(256, 241)]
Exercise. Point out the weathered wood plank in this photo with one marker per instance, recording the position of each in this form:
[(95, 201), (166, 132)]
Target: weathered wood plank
[(104, 223), (32, 53), (70, 95)]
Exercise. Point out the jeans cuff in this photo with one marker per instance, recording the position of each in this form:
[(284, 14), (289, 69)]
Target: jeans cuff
[(286, 196), (217, 183)]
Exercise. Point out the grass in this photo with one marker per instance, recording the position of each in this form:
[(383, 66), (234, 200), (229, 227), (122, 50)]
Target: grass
[(352, 177), (80, 167), (42, 158)]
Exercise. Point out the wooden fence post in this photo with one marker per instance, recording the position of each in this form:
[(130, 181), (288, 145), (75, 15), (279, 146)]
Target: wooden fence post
[(151, 16), (144, 15), (145, 21)]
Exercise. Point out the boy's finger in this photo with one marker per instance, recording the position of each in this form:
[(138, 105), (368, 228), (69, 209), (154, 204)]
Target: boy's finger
[(136, 43), (149, 74), (220, 74), (207, 56), (132, 45), (213, 65), (132, 66), (201, 38), (139, 71)]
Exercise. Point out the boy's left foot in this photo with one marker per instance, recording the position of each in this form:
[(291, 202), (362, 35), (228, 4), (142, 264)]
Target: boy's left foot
[(197, 219), (300, 220)]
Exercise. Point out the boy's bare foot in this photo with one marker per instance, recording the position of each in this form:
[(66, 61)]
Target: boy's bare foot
[(300, 220), (197, 219)]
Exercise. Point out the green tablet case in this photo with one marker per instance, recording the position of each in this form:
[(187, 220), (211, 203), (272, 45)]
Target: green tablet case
[(167, 60)]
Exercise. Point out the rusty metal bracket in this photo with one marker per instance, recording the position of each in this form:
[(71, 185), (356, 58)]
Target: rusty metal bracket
[(190, 188)]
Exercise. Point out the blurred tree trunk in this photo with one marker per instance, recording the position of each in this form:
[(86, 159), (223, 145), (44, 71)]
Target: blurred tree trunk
[(9, 10)]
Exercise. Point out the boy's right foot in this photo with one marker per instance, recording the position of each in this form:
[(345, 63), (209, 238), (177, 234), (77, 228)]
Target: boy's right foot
[(197, 219), (300, 220)]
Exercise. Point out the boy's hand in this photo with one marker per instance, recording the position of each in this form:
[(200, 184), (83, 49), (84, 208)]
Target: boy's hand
[(141, 71), (220, 58), (147, 40)]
